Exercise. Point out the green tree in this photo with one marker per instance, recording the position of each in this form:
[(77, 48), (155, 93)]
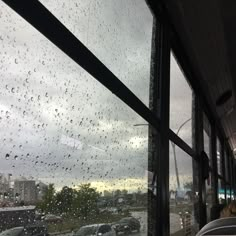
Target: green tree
[(86, 201), (117, 192), (48, 204), (65, 200)]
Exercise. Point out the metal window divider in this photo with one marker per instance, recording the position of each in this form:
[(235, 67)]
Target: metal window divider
[(198, 181)]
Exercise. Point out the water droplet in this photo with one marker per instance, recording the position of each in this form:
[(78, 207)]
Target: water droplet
[(7, 156)]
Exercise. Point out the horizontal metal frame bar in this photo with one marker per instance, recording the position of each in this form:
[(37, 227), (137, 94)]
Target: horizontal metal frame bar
[(181, 144), (44, 21)]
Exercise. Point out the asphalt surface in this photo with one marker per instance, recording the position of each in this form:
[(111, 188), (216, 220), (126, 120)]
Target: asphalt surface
[(142, 216)]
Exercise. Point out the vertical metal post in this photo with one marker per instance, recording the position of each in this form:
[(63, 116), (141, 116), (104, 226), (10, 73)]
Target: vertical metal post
[(163, 228), (152, 134), (214, 165), (158, 213), (198, 145)]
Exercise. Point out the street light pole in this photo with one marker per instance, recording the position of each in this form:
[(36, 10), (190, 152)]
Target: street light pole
[(174, 153)]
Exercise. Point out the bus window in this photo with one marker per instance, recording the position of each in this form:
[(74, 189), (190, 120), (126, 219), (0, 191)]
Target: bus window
[(218, 155), (184, 217), (68, 144), (207, 137), (180, 103), (221, 191)]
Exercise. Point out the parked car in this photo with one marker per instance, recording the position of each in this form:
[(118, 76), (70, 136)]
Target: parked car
[(96, 229), (52, 218), (30, 230), (127, 225)]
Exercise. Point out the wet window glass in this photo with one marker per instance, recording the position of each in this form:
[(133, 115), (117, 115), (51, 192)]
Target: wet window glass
[(184, 216), (72, 154), (180, 103), (118, 32)]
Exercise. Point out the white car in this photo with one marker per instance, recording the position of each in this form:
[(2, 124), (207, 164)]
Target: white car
[(96, 230)]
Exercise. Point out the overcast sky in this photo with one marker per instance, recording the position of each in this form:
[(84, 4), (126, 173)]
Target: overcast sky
[(58, 124)]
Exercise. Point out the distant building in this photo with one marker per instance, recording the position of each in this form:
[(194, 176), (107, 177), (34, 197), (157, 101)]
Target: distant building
[(4, 187), (25, 191), (4, 183)]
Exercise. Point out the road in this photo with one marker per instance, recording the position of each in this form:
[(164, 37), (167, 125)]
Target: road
[(142, 216)]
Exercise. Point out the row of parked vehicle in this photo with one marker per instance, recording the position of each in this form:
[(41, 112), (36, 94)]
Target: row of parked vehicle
[(126, 225)]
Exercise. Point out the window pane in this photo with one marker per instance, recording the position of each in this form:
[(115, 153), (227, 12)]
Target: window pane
[(231, 170), (221, 191), (180, 103), (207, 137), (209, 195), (218, 152), (227, 167), (183, 196), (228, 193), (118, 32), (234, 181), (69, 146)]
